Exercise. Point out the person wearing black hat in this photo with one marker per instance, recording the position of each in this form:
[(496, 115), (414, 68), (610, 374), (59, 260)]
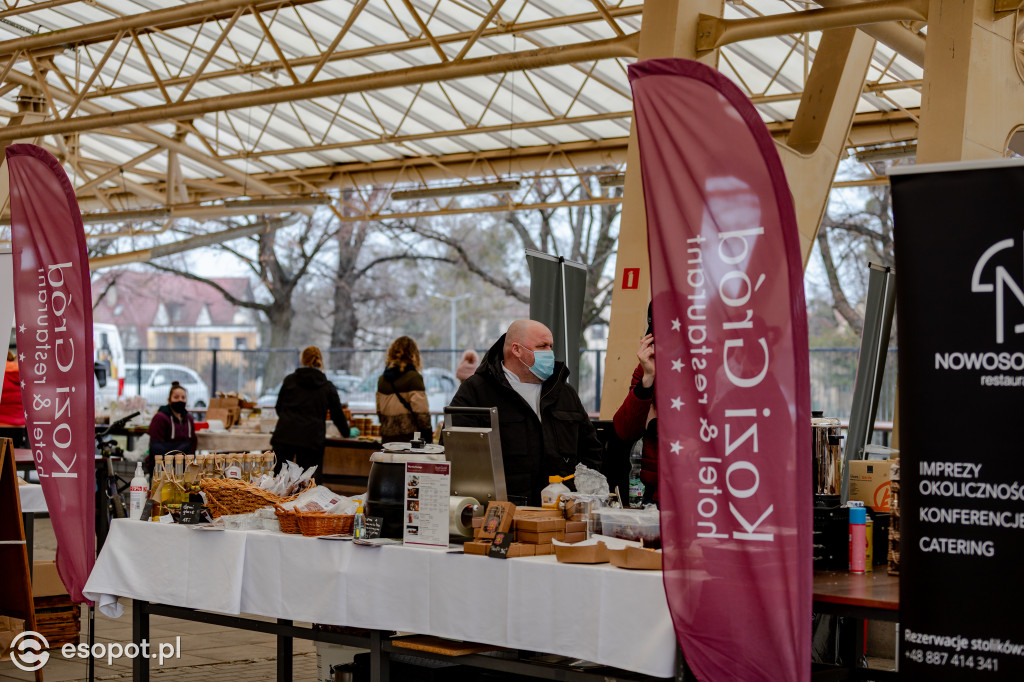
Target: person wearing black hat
[(637, 417)]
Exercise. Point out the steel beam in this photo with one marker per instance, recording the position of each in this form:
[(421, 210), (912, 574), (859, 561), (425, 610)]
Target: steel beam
[(142, 132), (900, 38), (714, 32), (515, 61), (868, 128), (156, 20), (317, 61)]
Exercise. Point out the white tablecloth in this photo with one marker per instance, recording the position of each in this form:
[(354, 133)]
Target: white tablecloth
[(32, 500), (598, 613)]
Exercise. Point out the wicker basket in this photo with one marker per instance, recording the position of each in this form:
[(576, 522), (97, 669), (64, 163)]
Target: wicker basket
[(320, 523), (289, 520), (231, 496)]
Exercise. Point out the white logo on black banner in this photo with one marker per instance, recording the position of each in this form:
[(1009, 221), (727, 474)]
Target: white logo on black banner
[(1003, 282)]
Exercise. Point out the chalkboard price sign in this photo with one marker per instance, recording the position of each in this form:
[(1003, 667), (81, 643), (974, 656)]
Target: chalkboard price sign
[(191, 513), (373, 526)]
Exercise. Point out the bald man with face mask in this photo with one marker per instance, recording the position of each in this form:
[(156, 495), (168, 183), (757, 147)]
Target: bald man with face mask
[(545, 430)]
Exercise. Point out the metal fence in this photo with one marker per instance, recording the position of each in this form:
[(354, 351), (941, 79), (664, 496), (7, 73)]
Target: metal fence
[(833, 374), (833, 371)]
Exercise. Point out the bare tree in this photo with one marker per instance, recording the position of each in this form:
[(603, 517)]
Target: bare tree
[(279, 261), (586, 234), (848, 241)]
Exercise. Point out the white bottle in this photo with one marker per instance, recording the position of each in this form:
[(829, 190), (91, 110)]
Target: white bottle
[(139, 493), (551, 496)]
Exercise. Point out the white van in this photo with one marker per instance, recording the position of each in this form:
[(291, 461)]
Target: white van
[(107, 350)]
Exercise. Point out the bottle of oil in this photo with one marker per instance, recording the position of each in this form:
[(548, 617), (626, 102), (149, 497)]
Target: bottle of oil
[(191, 478), (234, 467), (155, 487), (179, 477), (256, 470)]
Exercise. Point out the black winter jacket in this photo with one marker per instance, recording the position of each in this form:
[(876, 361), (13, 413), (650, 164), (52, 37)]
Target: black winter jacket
[(532, 448), (306, 396)]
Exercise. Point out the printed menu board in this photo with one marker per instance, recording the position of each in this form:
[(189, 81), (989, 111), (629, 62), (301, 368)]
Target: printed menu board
[(960, 306), (427, 491)]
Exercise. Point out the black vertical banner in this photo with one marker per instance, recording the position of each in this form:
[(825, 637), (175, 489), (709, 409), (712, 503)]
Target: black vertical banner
[(959, 231)]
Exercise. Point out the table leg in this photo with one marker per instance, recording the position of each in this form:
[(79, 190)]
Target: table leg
[(102, 506), (683, 672), (284, 654), (140, 634), (859, 639), (379, 662), (28, 519)]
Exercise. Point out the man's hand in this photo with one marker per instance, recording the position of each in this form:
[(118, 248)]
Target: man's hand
[(646, 357)]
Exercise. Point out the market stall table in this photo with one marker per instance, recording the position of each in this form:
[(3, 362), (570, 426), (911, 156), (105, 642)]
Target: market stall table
[(532, 603), (867, 596), (227, 441)]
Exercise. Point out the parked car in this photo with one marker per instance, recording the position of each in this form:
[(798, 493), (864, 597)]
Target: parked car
[(440, 384), (157, 379), (343, 381)]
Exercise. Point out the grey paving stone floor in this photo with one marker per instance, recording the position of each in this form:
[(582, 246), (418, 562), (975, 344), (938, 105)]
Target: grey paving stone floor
[(207, 652)]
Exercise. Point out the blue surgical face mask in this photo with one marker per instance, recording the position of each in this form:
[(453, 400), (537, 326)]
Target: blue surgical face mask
[(543, 364)]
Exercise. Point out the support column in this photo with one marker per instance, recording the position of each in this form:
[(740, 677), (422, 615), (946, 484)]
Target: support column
[(972, 97), (817, 139), (31, 109), (669, 30)]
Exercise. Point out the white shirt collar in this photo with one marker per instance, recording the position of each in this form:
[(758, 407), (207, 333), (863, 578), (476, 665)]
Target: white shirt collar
[(529, 392)]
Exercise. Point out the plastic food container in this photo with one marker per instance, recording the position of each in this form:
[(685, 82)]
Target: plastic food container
[(631, 524)]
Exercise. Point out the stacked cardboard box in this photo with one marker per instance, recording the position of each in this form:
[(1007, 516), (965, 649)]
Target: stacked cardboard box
[(227, 410), (533, 530), (58, 619)]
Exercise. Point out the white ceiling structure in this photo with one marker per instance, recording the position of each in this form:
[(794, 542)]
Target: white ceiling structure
[(169, 108)]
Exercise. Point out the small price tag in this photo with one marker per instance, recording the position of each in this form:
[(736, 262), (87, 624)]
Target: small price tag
[(373, 525), (191, 513), (166, 518)]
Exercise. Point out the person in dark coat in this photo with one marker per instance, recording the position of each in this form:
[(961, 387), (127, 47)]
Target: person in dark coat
[(303, 402), (172, 428), (545, 430)]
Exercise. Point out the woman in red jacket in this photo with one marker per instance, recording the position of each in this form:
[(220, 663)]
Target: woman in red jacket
[(637, 416), (11, 411)]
